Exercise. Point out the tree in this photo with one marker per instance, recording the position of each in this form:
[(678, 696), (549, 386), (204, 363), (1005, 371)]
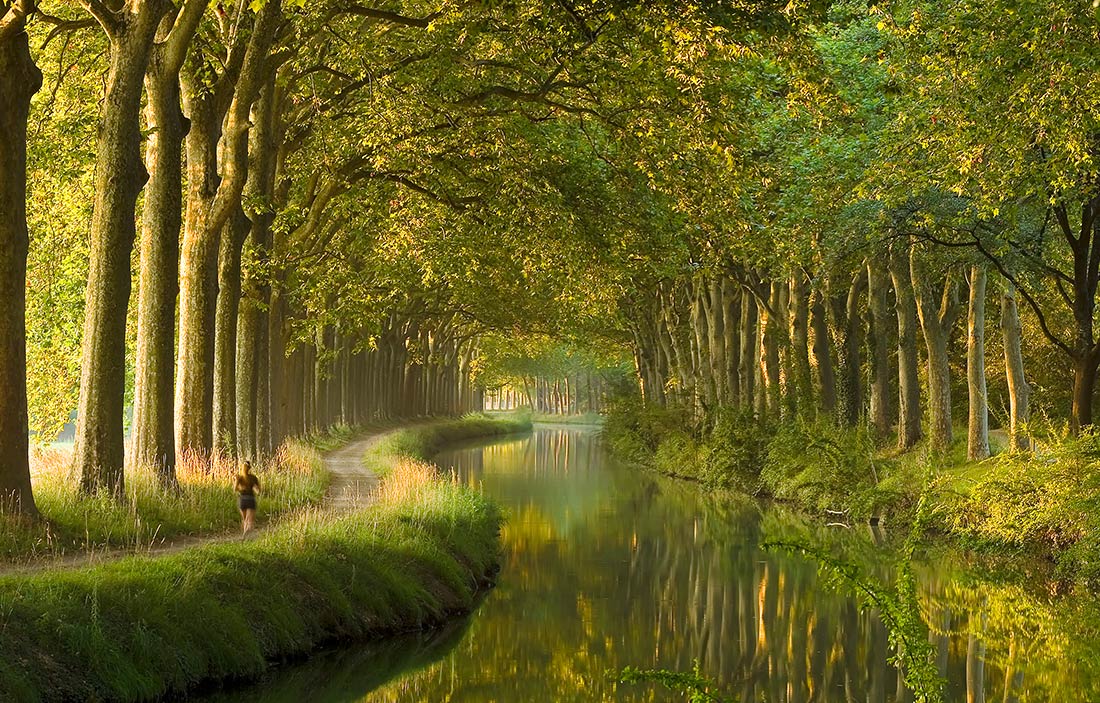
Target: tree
[(120, 176), (20, 79)]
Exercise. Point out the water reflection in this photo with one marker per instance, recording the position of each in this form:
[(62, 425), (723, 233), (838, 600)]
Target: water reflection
[(605, 567)]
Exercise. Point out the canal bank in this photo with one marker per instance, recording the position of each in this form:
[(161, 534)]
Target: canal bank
[(140, 628)]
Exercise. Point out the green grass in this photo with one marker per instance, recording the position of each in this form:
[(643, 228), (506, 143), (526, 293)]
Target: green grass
[(204, 503), (144, 627), (421, 442)]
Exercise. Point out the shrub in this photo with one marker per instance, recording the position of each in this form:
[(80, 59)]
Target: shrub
[(1048, 498), (822, 466), (736, 451)]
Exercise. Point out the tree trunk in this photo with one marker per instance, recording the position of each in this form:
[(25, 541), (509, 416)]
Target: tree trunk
[(937, 315), (823, 356), (771, 330), (847, 333), (882, 332), (120, 176), (194, 407), (227, 305), (1084, 382), (20, 80), (800, 343), (909, 412), (716, 340), (1019, 391), (731, 304), (749, 355), (153, 442), (977, 443)]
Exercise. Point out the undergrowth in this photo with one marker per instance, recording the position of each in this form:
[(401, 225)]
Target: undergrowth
[(1047, 499)]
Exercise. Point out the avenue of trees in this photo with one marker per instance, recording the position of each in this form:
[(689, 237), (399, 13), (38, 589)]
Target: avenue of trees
[(234, 222), (909, 235)]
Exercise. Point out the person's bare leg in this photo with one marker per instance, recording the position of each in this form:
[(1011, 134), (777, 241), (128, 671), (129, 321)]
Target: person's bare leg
[(244, 521)]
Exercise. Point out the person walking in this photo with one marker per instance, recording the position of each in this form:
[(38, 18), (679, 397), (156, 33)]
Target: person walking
[(247, 487)]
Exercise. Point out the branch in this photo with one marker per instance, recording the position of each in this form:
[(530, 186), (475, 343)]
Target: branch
[(183, 31), (1030, 301), (392, 17), (60, 25), (103, 15)]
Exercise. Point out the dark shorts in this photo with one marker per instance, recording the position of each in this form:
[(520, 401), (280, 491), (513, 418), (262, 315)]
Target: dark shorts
[(246, 501)]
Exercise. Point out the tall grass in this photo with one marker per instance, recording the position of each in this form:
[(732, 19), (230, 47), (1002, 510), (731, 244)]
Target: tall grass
[(203, 502)]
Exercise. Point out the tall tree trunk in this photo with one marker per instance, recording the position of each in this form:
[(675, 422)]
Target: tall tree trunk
[(771, 330), (153, 442), (1019, 391), (799, 316), (120, 176), (731, 304), (20, 80), (823, 355), (883, 324), (937, 315), (847, 333), (977, 442), (716, 339), (253, 377), (749, 350), (227, 306), (194, 404), (909, 411), (213, 199)]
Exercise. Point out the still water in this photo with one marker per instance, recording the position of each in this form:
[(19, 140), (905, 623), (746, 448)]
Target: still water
[(606, 567)]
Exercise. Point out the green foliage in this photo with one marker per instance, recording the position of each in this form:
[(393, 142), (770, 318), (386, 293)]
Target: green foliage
[(1049, 498), (696, 687), (736, 451), (636, 431), (818, 464)]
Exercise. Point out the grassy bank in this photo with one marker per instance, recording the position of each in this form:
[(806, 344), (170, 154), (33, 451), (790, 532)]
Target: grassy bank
[(423, 441), (1045, 502), (144, 627), (202, 503)]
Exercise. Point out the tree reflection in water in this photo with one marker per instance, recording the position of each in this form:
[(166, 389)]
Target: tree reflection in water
[(605, 567)]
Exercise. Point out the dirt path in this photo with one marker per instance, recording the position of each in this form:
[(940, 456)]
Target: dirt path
[(351, 483), (350, 486)]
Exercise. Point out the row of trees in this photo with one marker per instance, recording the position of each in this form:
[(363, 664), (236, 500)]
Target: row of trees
[(808, 345), (906, 173), (322, 208)]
